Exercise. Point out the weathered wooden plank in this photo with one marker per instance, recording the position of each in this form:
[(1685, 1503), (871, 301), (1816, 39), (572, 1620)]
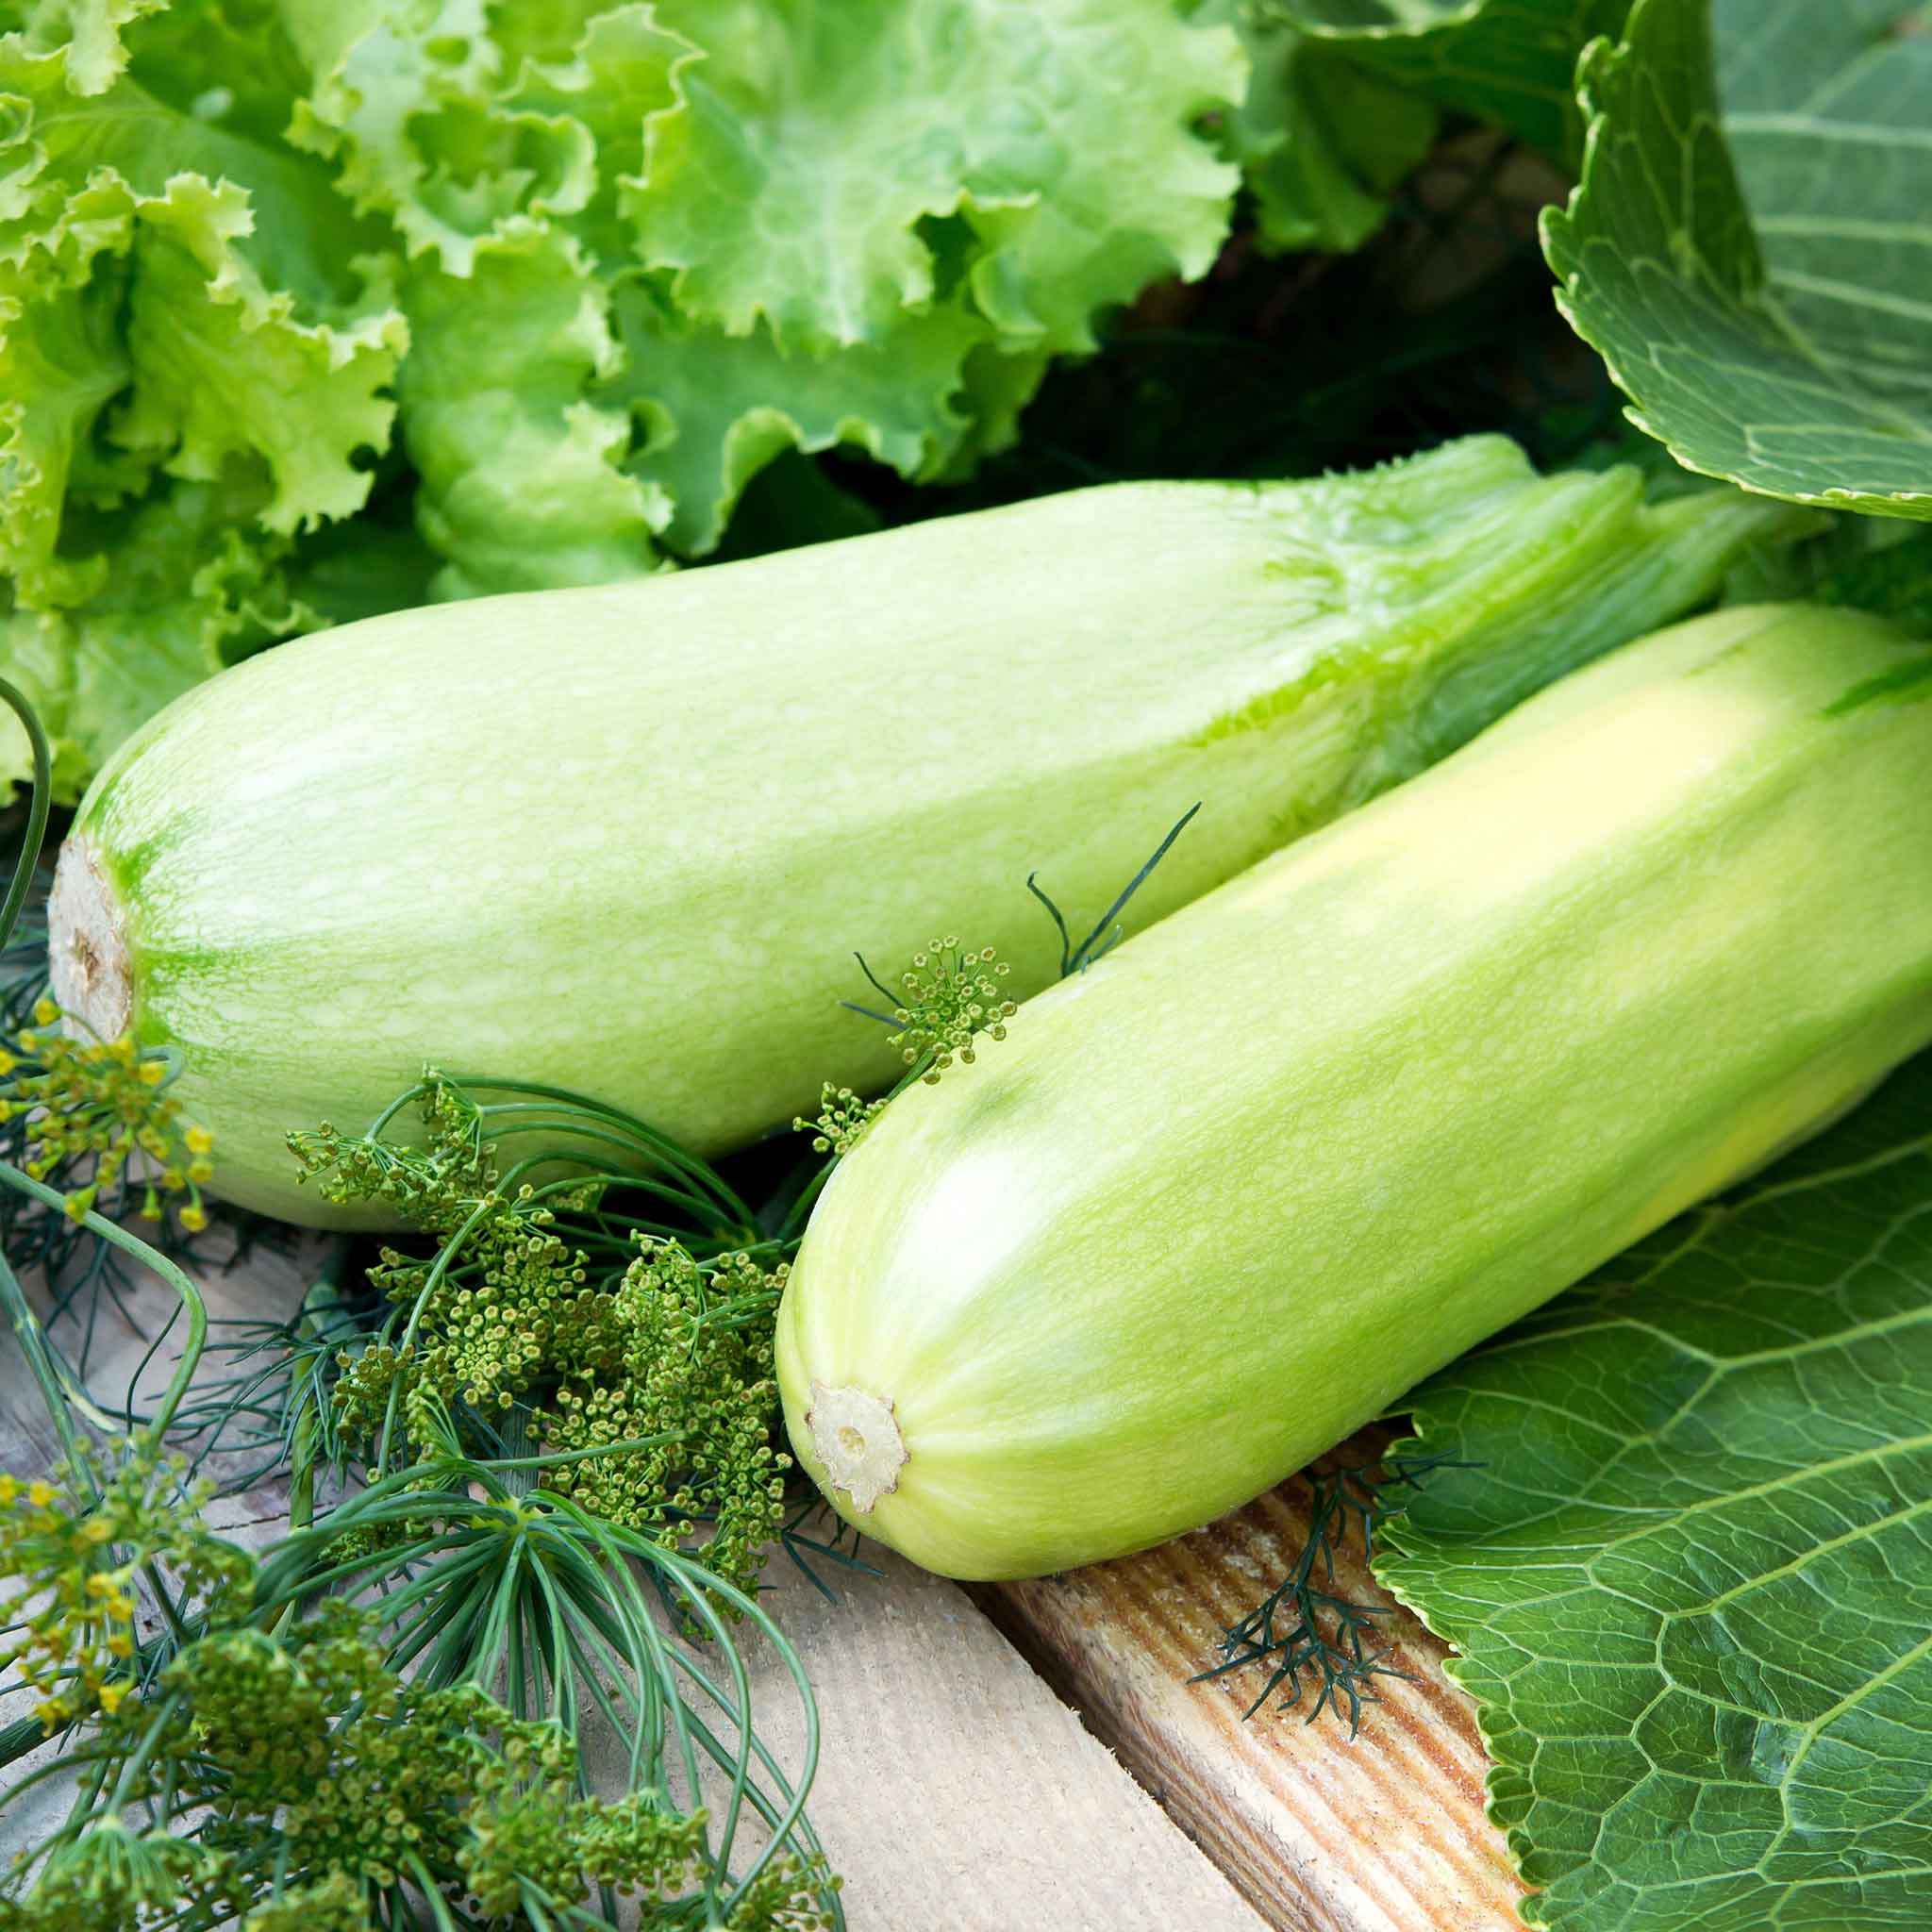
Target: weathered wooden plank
[(955, 1789), (1383, 1834)]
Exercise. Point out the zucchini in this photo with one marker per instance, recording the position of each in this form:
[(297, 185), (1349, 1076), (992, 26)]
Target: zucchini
[(1228, 1194), (625, 840)]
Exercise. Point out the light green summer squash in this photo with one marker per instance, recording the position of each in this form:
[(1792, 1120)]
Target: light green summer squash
[(626, 840), (1226, 1196)]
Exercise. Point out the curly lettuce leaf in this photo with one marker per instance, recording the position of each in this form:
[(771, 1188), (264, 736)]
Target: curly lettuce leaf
[(1758, 274), (802, 228), (457, 132), (1322, 142), (495, 151), (171, 414), (713, 409), (190, 589), (520, 485), (816, 145), (1686, 1554), (878, 226), (225, 367), (88, 32)]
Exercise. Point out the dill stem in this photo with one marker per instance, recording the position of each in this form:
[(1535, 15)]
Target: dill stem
[(38, 808), (150, 1257), (432, 1891), (46, 1371), (137, 1759), (440, 1267)]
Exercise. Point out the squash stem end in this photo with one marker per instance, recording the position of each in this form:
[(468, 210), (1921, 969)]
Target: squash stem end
[(92, 978), (857, 1440)]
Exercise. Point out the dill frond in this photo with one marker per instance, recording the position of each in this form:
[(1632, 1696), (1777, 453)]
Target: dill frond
[(1302, 1629), (1107, 932), (554, 1310)]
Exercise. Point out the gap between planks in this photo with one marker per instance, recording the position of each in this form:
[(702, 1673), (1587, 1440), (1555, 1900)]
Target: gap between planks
[(1386, 1833)]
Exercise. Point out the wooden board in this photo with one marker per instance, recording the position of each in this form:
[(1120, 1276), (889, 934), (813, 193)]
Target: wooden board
[(969, 1776), (955, 1789), (1385, 1833)]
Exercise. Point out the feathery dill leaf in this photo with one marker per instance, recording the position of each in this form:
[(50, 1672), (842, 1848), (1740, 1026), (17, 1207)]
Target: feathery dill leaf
[(284, 1759), (550, 1309), (316, 1740), (1301, 1629)]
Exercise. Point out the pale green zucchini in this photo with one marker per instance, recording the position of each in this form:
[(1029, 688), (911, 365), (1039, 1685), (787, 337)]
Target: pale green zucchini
[(626, 840), (1226, 1196)]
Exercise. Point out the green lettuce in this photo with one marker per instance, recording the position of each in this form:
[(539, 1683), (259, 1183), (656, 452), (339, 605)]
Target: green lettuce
[(194, 362), (719, 233), (563, 279)]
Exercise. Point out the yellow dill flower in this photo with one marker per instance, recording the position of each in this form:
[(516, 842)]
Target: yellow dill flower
[(96, 1105)]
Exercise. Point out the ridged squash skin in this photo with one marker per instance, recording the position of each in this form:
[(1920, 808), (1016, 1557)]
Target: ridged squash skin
[(1228, 1195), (626, 839)]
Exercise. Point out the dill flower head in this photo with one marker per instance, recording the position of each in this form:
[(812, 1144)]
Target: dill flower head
[(842, 1118), (950, 997), (71, 1543), (334, 1905), (102, 1106), (690, 1362), (109, 1878)]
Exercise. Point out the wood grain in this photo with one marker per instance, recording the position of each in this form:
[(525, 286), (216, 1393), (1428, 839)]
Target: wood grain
[(955, 1791), (1383, 1834)]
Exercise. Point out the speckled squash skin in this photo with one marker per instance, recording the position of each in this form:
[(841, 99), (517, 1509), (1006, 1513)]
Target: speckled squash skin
[(626, 840), (1217, 1202)]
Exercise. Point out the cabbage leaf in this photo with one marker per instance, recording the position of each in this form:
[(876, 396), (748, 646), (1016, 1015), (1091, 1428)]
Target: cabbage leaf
[(1748, 248), (1686, 1558)]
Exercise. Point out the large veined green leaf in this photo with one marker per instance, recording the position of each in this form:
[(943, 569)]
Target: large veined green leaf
[(1760, 277), (1689, 1570), (1509, 61)]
